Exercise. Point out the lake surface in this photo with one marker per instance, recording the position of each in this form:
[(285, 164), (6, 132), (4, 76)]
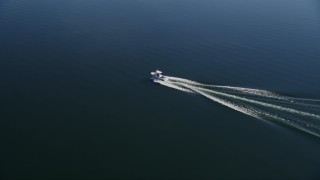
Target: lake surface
[(76, 99)]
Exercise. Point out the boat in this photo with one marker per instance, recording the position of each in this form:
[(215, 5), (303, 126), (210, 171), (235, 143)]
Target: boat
[(157, 76)]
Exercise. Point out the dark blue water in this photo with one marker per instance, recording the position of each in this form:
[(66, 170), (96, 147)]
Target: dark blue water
[(76, 100)]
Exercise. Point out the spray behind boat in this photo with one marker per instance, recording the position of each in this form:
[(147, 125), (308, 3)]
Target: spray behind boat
[(299, 113)]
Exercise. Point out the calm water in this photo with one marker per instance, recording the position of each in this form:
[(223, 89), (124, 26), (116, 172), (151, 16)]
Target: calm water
[(76, 100)]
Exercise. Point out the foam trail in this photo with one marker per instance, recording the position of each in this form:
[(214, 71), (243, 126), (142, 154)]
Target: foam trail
[(242, 90), (230, 105), (265, 104), (300, 113), (238, 89)]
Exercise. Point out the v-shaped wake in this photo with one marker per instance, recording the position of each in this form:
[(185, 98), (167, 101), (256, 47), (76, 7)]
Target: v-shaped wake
[(303, 114)]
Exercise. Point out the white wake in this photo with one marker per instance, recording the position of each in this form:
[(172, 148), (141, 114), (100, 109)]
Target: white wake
[(302, 114)]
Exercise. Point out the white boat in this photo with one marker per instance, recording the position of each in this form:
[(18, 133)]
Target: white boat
[(157, 76)]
